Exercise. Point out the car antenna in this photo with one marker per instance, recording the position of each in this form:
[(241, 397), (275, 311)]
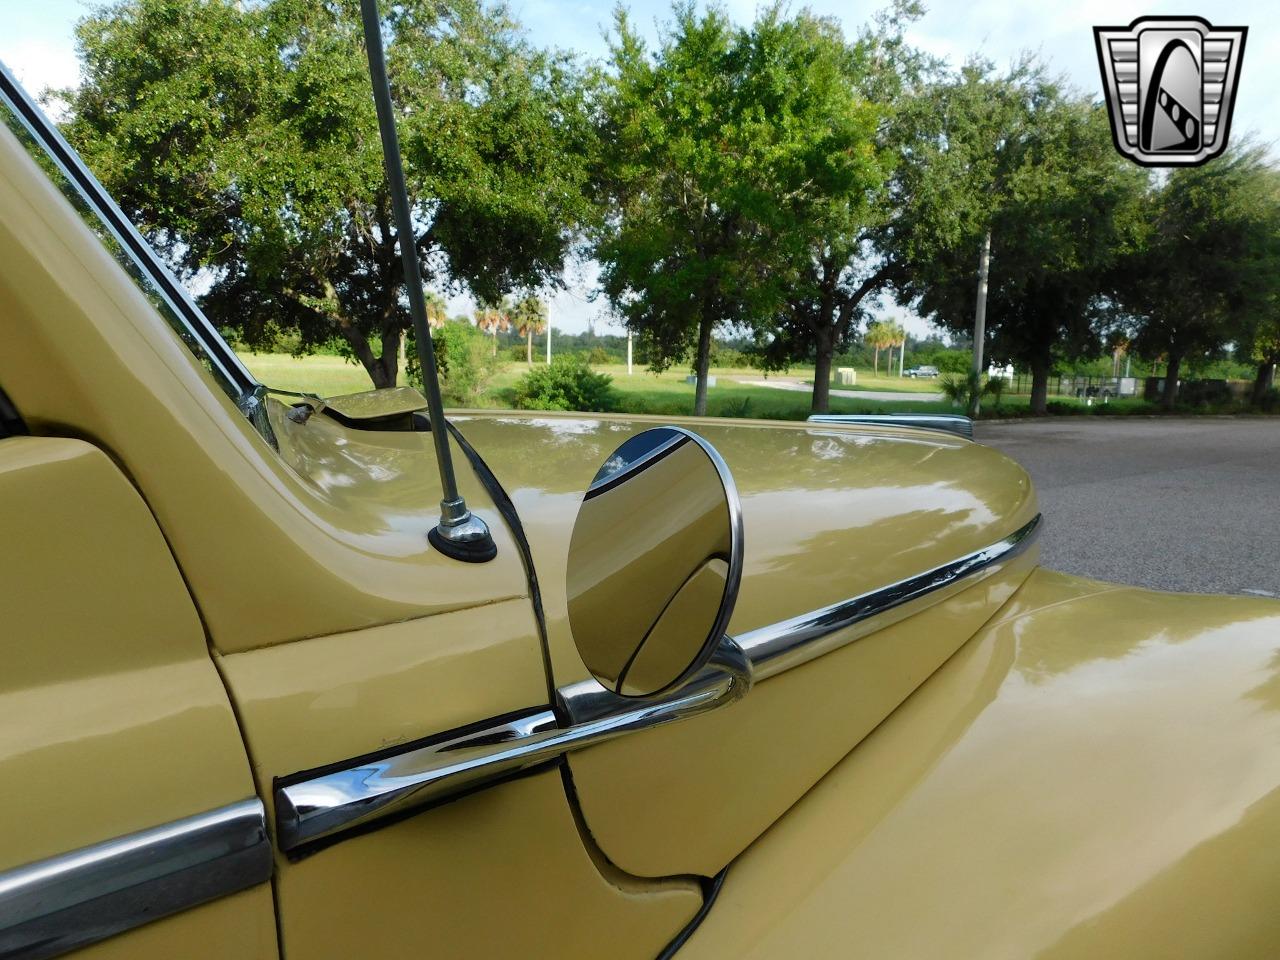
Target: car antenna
[(460, 534)]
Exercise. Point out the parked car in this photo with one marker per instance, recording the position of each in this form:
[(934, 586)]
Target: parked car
[(336, 678), (923, 371)]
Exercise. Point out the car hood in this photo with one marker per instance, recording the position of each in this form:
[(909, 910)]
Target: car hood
[(829, 511)]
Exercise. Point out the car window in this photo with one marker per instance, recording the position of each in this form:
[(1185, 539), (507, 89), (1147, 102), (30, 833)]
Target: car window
[(104, 218)]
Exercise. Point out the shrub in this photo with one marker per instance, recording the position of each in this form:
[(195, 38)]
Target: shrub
[(963, 390), (464, 360), (1270, 402), (599, 355), (568, 383)]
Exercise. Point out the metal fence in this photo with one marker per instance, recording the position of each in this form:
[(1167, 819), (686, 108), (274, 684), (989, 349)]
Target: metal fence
[(1080, 387)]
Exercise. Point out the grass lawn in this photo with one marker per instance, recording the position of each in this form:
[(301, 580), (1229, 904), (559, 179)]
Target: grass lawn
[(324, 375), (664, 394)]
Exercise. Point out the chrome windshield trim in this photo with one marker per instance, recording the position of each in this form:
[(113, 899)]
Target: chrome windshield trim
[(790, 643), (317, 809), (961, 426), (52, 906), (20, 105)]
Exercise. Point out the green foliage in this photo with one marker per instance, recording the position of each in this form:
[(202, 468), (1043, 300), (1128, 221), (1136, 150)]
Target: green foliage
[(567, 383), (1033, 165), (968, 389), (1205, 269), (464, 360), (242, 138)]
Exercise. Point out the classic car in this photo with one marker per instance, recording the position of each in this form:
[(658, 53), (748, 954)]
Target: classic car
[(638, 687)]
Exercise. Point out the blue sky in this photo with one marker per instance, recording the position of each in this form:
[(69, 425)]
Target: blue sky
[(38, 44)]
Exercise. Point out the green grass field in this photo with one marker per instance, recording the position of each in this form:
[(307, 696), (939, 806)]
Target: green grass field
[(664, 394)]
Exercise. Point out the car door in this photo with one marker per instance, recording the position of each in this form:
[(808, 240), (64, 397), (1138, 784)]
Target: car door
[(127, 796), (339, 639)]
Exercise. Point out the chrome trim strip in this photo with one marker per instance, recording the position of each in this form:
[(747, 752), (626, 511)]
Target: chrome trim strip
[(789, 643), (66, 902), (949, 422), (318, 808)]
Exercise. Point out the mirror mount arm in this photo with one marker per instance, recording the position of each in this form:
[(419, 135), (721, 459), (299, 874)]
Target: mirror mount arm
[(460, 534), (727, 678)]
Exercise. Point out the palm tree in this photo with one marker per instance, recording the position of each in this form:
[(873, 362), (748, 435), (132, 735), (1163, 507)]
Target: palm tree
[(530, 318), (877, 337), (437, 310), (493, 319), (895, 336)]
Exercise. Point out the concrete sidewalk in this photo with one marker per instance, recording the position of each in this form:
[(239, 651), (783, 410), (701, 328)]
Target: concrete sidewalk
[(889, 395)]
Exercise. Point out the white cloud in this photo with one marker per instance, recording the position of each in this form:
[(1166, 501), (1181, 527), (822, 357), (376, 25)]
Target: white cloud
[(39, 63)]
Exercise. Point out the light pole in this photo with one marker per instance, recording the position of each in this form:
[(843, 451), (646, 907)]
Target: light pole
[(980, 323)]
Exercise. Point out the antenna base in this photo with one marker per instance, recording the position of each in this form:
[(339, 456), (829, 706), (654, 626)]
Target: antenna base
[(467, 539)]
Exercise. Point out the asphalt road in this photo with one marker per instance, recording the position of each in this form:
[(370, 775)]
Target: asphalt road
[(1175, 504)]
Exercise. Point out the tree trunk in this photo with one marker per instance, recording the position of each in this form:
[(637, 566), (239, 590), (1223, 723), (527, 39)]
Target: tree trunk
[(877, 361), (1265, 379), (1040, 387), (528, 353), (822, 373), (703, 363), (390, 359), (373, 366), (1170, 395)]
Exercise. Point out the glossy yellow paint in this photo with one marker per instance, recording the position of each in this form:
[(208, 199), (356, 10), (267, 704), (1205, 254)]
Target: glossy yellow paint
[(502, 873), (112, 718), (271, 546), (1095, 775), (828, 513), (432, 884)]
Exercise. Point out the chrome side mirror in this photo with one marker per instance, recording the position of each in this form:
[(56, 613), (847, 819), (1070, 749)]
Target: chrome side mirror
[(654, 562)]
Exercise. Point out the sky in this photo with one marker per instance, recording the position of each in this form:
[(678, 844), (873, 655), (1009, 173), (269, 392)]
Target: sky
[(37, 43)]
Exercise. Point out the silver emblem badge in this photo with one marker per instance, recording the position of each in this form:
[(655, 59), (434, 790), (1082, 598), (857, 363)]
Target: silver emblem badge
[(1170, 84)]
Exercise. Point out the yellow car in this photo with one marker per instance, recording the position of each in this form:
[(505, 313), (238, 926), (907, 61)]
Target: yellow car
[(703, 688)]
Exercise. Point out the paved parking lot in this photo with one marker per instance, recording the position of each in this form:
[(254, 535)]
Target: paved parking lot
[(1174, 504)]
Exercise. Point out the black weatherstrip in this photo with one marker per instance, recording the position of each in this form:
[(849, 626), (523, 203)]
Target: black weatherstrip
[(11, 422), (507, 509), (710, 890)]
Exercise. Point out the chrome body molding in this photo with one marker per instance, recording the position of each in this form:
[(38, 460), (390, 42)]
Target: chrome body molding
[(69, 901), (789, 643), (948, 422), (311, 810)]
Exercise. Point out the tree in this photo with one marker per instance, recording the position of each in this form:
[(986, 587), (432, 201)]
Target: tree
[(242, 139), (823, 104), (895, 336), (1203, 273), (494, 318), (1032, 166), (877, 337), (679, 174), (530, 318)]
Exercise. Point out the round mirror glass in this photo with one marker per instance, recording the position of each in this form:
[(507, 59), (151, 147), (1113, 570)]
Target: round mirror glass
[(654, 562)]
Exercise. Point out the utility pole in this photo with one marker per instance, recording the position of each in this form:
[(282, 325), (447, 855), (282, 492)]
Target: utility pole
[(980, 322), (628, 353), (548, 342)]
